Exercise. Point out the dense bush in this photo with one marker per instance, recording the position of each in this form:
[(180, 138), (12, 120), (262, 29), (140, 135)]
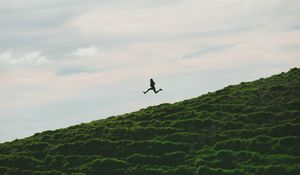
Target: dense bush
[(108, 166)]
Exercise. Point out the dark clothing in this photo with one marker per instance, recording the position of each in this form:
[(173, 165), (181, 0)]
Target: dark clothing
[(152, 83)]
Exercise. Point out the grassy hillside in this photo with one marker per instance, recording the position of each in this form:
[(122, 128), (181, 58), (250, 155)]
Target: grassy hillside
[(250, 128)]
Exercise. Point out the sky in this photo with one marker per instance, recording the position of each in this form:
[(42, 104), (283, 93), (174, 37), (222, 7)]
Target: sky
[(67, 62)]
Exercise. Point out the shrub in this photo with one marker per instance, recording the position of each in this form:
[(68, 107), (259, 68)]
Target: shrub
[(144, 159), (107, 166)]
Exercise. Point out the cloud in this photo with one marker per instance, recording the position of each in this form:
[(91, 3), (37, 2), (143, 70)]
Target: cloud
[(35, 58), (208, 50), (190, 16), (81, 60), (90, 51), (138, 20)]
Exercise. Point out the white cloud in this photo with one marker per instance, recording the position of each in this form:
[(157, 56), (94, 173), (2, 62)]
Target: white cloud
[(90, 51), (35, 58), (169, 19), (182, 17)]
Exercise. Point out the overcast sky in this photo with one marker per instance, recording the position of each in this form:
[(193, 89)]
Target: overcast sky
[(66, 62)]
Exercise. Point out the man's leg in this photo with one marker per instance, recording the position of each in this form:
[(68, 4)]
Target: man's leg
[(157, 91), (147, 90)]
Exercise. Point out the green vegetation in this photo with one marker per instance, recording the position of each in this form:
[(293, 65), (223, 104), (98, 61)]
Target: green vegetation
[(250, 128)]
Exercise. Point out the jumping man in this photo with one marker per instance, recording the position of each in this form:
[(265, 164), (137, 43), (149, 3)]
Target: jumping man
[(152, 87)]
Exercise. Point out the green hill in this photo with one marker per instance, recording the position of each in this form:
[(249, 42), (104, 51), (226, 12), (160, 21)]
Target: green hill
[(250, 128)]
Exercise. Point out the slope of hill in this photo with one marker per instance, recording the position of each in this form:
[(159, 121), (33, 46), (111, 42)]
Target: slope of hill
[(250, 128)]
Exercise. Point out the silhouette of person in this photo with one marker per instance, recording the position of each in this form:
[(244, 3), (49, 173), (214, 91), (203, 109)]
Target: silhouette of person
[(152, 87)]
